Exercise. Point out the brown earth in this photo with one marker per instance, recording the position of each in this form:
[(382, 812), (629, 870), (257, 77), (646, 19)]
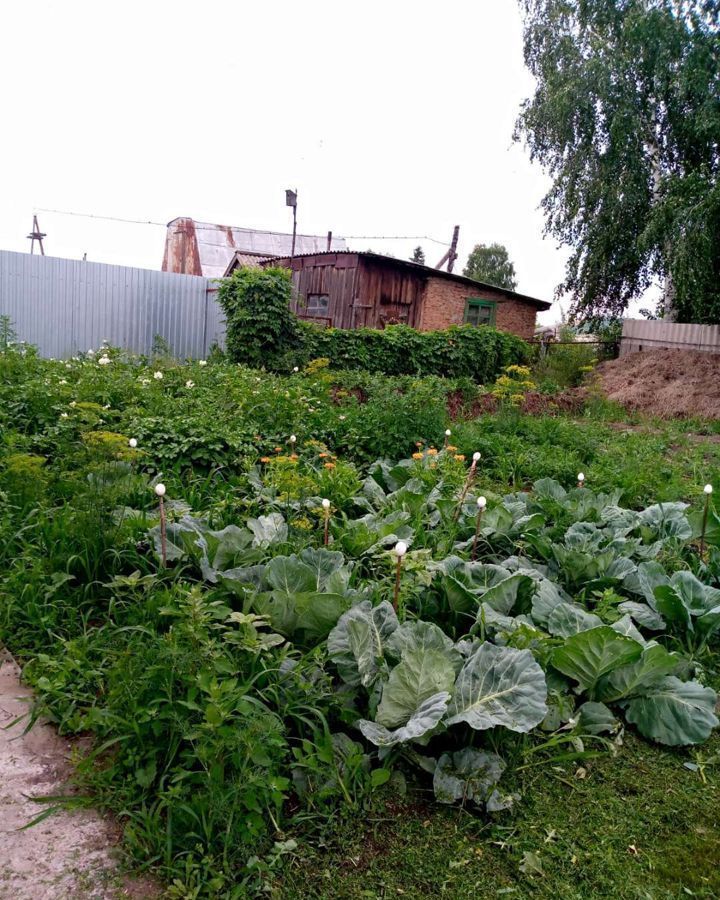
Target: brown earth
[(71, 854), (665, 383)]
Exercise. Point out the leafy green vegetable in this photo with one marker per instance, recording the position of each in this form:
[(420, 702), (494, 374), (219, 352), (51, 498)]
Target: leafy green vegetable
[(499, 686), (587, 656)]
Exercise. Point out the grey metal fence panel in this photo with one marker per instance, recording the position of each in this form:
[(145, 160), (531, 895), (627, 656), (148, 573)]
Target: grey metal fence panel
[(642, 334), (65, 306)]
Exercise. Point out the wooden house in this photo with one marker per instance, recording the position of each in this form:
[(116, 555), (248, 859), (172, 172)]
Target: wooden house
[(346, 289)]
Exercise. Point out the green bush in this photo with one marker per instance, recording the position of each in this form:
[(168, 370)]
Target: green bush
[(260, 326), (262, 331), (461, 351)]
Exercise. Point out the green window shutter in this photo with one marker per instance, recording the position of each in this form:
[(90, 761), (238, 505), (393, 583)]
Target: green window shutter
[(479, 311)]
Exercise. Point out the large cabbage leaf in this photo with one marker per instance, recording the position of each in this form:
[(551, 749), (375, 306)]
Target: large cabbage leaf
[(468, 775), (422, 672), (653, 665), (589, 655), (423, 720), (499, 686), (357, 643), (675, 712)]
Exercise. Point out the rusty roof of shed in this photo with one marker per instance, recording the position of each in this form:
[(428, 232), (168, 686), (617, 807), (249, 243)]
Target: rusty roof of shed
[(428, 271), (216, 245)]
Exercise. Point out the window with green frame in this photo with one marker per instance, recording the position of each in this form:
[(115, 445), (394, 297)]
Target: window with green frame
[(479, 311)]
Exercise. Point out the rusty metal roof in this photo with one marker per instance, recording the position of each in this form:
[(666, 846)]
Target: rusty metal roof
[(201, 248), (428, 271)]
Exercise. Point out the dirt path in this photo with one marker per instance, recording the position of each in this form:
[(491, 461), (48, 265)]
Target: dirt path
[(71, 854)]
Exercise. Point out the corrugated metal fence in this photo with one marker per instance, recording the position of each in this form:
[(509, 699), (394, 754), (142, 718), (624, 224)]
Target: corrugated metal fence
[(66, 305), (641, 334)]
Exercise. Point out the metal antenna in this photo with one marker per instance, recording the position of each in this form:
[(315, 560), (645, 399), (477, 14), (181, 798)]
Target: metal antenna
[(36, 235)]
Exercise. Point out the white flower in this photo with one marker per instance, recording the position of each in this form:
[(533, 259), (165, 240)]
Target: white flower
[(62, 381), (481, 502), (400, 548), (68, 366), (708, 489), (189, 384), (144, 382), (342, 418), (326, 503), (107, 406), (133, 443), (73, 403), (104, 361), (63, 415), (158, 376), (91, 352), (202, 362), (160, 489)]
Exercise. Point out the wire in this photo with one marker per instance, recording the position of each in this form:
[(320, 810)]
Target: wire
[(201, 227), (64, 212), (395, 237)]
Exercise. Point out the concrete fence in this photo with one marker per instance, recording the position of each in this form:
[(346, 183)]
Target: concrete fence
[(65, 305), (641, 335)]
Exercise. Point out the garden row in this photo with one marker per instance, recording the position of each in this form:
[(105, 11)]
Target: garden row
[(294, 656)]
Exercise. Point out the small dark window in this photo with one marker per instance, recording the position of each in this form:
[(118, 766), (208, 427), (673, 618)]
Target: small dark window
[(480, 312), (317, 305)]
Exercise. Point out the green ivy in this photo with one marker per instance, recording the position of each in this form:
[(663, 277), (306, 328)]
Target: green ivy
[(260, 325), (262, 331)]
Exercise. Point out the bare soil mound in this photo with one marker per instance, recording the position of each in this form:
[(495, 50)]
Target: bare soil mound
[(665, 383)]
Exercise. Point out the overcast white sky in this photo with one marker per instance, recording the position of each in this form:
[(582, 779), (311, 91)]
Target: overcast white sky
[(390, 118)]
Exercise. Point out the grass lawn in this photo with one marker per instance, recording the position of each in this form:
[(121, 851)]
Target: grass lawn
[(639, 825)]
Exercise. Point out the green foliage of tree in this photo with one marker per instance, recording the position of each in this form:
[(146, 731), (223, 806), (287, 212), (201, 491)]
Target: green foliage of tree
[(259, 323), (626, 120), (418, 256), (490, 263)]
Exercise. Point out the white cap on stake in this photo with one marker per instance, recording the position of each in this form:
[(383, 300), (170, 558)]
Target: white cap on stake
[(476, 456), (292, 438), (447, 432), (400, 548), (581, 477), (481, 502), (160, 489), (133, 443), (708, 489), (326, 503)]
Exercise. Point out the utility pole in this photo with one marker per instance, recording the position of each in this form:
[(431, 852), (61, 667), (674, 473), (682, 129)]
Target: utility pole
[(450, 254), (329, 241), (36, 235), (291, 200)]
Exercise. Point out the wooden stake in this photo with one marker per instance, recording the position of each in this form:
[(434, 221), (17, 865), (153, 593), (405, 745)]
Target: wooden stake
[(400, 551), (708, 492), (326, 507), (466, 487), (163, 533), (481, 504)]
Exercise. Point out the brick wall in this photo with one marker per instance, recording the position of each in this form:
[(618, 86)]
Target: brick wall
[(443, 303)]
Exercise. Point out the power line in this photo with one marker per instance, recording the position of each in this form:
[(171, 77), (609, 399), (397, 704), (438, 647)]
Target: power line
[(201, 227), (65, 212)]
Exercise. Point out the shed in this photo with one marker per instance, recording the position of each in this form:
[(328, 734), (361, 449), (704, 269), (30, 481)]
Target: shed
[(347, 289), (201, 248)]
